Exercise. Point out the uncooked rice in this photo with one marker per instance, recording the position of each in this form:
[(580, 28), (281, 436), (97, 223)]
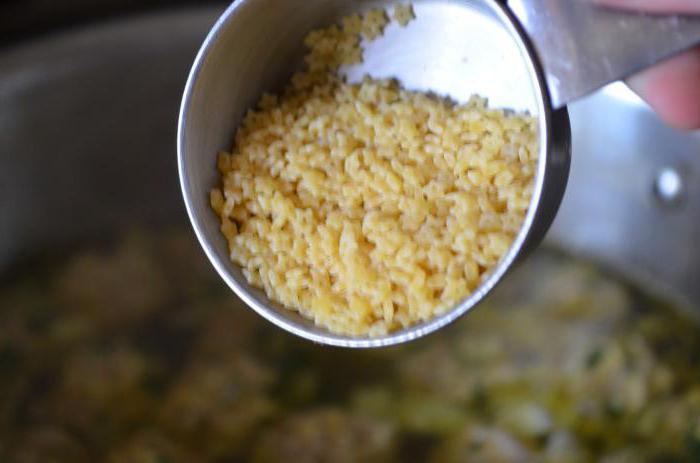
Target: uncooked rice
[(366, 207)]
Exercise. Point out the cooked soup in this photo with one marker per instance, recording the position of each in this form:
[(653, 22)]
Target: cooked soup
[(136, 352)]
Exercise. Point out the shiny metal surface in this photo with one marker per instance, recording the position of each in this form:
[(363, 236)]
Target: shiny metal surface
[(453, 48), (669, 186), (87, 130), (612, 211), (583, 46)]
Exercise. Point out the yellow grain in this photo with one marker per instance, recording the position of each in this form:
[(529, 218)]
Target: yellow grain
[(366, 207)]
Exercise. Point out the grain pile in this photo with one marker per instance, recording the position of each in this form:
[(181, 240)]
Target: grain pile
[(366, 207)]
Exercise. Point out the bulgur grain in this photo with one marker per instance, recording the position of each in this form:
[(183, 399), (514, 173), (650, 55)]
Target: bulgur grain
[(373, 24), (403, 13)]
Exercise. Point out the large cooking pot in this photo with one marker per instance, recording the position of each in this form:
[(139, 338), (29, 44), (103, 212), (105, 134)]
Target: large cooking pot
[(87, 129), (87, 149)]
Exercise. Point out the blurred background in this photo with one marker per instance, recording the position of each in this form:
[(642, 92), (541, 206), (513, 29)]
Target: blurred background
[(119, 343), (24, 19)]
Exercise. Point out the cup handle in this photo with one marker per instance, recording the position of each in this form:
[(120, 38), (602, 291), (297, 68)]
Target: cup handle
[(583, 46)]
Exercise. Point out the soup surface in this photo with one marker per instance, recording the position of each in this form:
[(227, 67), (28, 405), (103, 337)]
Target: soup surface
[(136, 352)]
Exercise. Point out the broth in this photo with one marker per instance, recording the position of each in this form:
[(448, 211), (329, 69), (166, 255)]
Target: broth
[(137, 352)]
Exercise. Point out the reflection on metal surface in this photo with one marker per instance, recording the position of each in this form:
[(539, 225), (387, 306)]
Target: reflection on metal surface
[(87, 127), (454, 51), (669, 186), (621, 93)]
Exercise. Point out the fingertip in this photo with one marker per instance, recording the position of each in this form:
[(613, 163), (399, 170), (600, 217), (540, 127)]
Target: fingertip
[(654, 6), (672, 89)]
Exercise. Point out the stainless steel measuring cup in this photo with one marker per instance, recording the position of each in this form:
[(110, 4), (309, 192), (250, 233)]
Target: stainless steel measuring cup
[(534, 55)]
